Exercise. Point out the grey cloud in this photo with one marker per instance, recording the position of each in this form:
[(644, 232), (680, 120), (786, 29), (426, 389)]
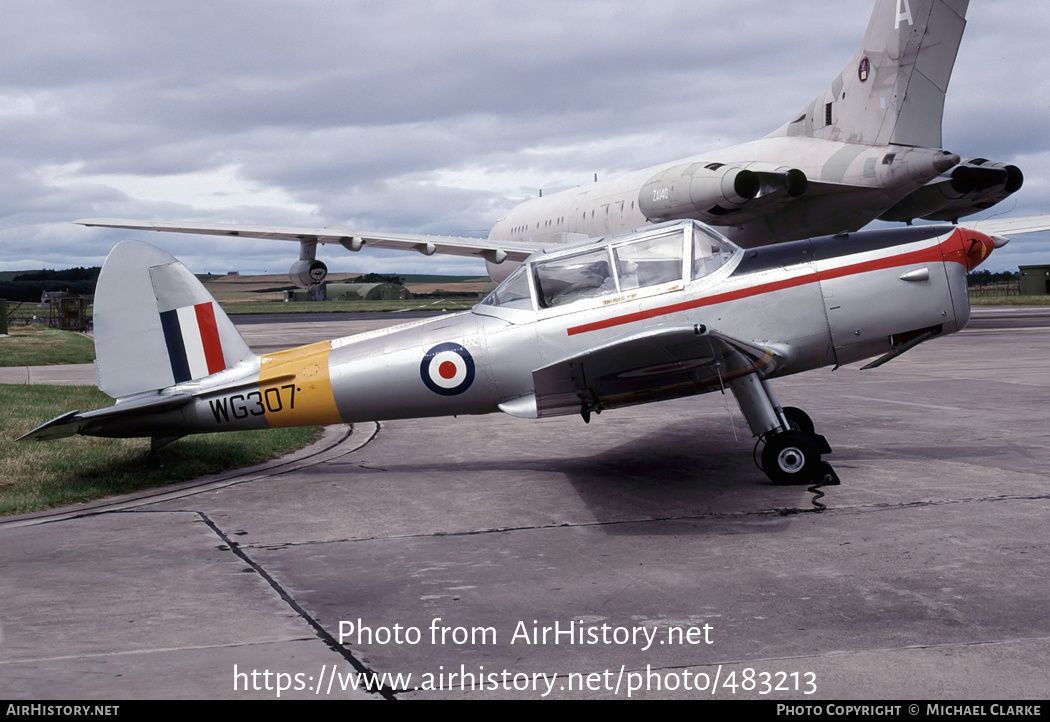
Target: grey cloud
[(354, 107)]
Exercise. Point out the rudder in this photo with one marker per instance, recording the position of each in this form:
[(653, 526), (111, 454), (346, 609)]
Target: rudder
[(156, 325)]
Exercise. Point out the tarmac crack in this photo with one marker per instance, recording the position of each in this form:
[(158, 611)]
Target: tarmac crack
[(385, 692), (370, 468), (762, 513)]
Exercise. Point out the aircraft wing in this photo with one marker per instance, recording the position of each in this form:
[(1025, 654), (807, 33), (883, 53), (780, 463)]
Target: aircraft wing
[(1010, 226), (353, 240), (663, 362)]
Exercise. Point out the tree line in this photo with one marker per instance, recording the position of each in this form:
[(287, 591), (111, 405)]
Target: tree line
[(30, 286)]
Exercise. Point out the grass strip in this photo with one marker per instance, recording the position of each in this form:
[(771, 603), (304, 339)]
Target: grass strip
[(1010, 300), (233, 308), (42, 346), (41, 475)]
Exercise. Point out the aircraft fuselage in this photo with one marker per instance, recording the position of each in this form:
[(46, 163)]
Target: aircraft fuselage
[(810, 303), (874, 177)]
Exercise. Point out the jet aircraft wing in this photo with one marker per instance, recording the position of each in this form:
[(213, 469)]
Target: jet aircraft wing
[(662, 362), (1010, 226), (353, 240)]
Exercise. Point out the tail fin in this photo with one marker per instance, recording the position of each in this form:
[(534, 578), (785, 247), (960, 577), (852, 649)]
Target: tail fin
[(893, 89), (156, 325)]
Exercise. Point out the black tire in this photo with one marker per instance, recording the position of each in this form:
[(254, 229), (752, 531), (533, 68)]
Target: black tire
[(791, 458), (799, 420)]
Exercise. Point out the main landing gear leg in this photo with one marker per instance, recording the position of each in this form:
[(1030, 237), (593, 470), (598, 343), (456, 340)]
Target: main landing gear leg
[(792, 451)]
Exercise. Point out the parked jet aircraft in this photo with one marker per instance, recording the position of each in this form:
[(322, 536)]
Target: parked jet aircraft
[(670, 310), (867, 147)]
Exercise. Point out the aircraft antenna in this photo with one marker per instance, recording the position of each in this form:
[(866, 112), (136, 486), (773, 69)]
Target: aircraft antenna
[(725, 398)]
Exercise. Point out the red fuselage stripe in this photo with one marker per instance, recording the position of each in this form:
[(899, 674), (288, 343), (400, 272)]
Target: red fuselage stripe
[(925, 255)]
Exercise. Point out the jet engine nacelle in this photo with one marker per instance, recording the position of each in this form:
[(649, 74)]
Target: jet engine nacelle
[(307, 273), (708, 191), (975, 175), (973, 185)]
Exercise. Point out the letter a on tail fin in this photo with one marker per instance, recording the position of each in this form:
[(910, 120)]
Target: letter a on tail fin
[(892, 91), (156, 325)]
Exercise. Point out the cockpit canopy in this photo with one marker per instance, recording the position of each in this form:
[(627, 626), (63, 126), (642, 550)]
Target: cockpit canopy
[(654, 260)]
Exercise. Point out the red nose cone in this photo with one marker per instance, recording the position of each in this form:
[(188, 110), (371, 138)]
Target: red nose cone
[(966, 247), (976, 247)]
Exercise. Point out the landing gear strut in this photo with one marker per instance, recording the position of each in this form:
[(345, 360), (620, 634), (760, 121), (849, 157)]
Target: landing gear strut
[(792, 450)]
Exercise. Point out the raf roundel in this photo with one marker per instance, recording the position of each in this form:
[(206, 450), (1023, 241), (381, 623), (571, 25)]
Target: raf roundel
[(447, 369)]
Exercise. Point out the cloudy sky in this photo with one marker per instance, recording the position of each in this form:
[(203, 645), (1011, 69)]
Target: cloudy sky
[(432, 117)]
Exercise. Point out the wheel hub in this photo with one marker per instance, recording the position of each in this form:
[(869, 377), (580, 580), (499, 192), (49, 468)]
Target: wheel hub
[(791, 460)]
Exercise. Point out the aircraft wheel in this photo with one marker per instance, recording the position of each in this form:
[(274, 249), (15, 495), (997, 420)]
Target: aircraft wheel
[(799, 420), (791, 457)]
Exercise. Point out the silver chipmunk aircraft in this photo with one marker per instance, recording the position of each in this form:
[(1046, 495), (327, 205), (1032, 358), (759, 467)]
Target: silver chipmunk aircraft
[(867, 147), (666, 311)]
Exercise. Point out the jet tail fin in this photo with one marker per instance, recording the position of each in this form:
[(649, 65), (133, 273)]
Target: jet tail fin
[(156, 325), (892, 91)]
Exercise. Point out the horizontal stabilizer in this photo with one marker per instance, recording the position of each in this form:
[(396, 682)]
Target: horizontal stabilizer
[(73, 422), (68, 424)]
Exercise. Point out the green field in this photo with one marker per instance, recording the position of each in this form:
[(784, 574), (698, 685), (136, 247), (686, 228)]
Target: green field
[(39, 475), (245, 307), (1010, 300), (24, 312), (34, 345)]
